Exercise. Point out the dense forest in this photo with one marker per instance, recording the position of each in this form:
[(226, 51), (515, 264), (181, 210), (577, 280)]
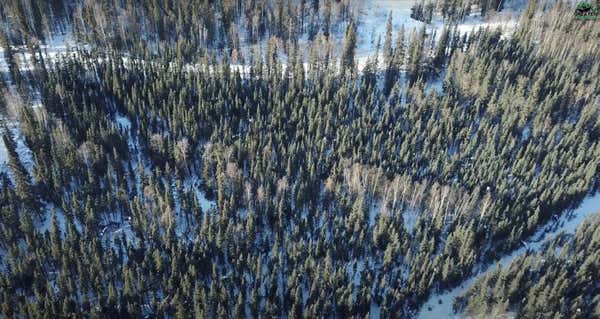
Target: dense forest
[(195, 28), (169, 181), (560, 282)]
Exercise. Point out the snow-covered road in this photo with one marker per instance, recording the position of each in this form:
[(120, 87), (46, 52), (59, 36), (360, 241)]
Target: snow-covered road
[(25, 154), (440, 305)]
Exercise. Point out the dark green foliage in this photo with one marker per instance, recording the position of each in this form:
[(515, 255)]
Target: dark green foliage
[(23, 187), (347, 58), (315, 178), (559, 282)]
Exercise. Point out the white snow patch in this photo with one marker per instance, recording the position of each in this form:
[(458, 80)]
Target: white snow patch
[(194, 184), (373, 212), (374, 311), (25, 154), (372, 20), (410, 217), (46, 224), (123, 122)]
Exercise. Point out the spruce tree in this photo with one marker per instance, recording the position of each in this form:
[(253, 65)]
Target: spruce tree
[(23, 187), (439, 59), (347, 63), (414, 67)]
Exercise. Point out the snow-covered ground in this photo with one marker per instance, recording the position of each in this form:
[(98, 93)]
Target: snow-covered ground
[(194, 184), (25, 154), (440, 305), (372, 20), (371, 27), (51, 50)]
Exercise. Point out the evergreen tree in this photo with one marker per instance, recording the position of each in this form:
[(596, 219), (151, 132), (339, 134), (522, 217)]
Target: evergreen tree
[(440, 53), (22, 180), (415, 55), (347, 63)]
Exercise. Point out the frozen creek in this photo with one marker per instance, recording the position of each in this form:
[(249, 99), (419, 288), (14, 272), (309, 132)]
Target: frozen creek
[(439, 306)]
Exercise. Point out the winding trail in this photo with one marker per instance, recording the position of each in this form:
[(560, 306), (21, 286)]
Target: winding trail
[(439, 306)]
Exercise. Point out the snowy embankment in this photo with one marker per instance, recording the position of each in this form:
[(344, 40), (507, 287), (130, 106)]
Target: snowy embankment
[(54, 48), (440, 305), (25, 154)]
